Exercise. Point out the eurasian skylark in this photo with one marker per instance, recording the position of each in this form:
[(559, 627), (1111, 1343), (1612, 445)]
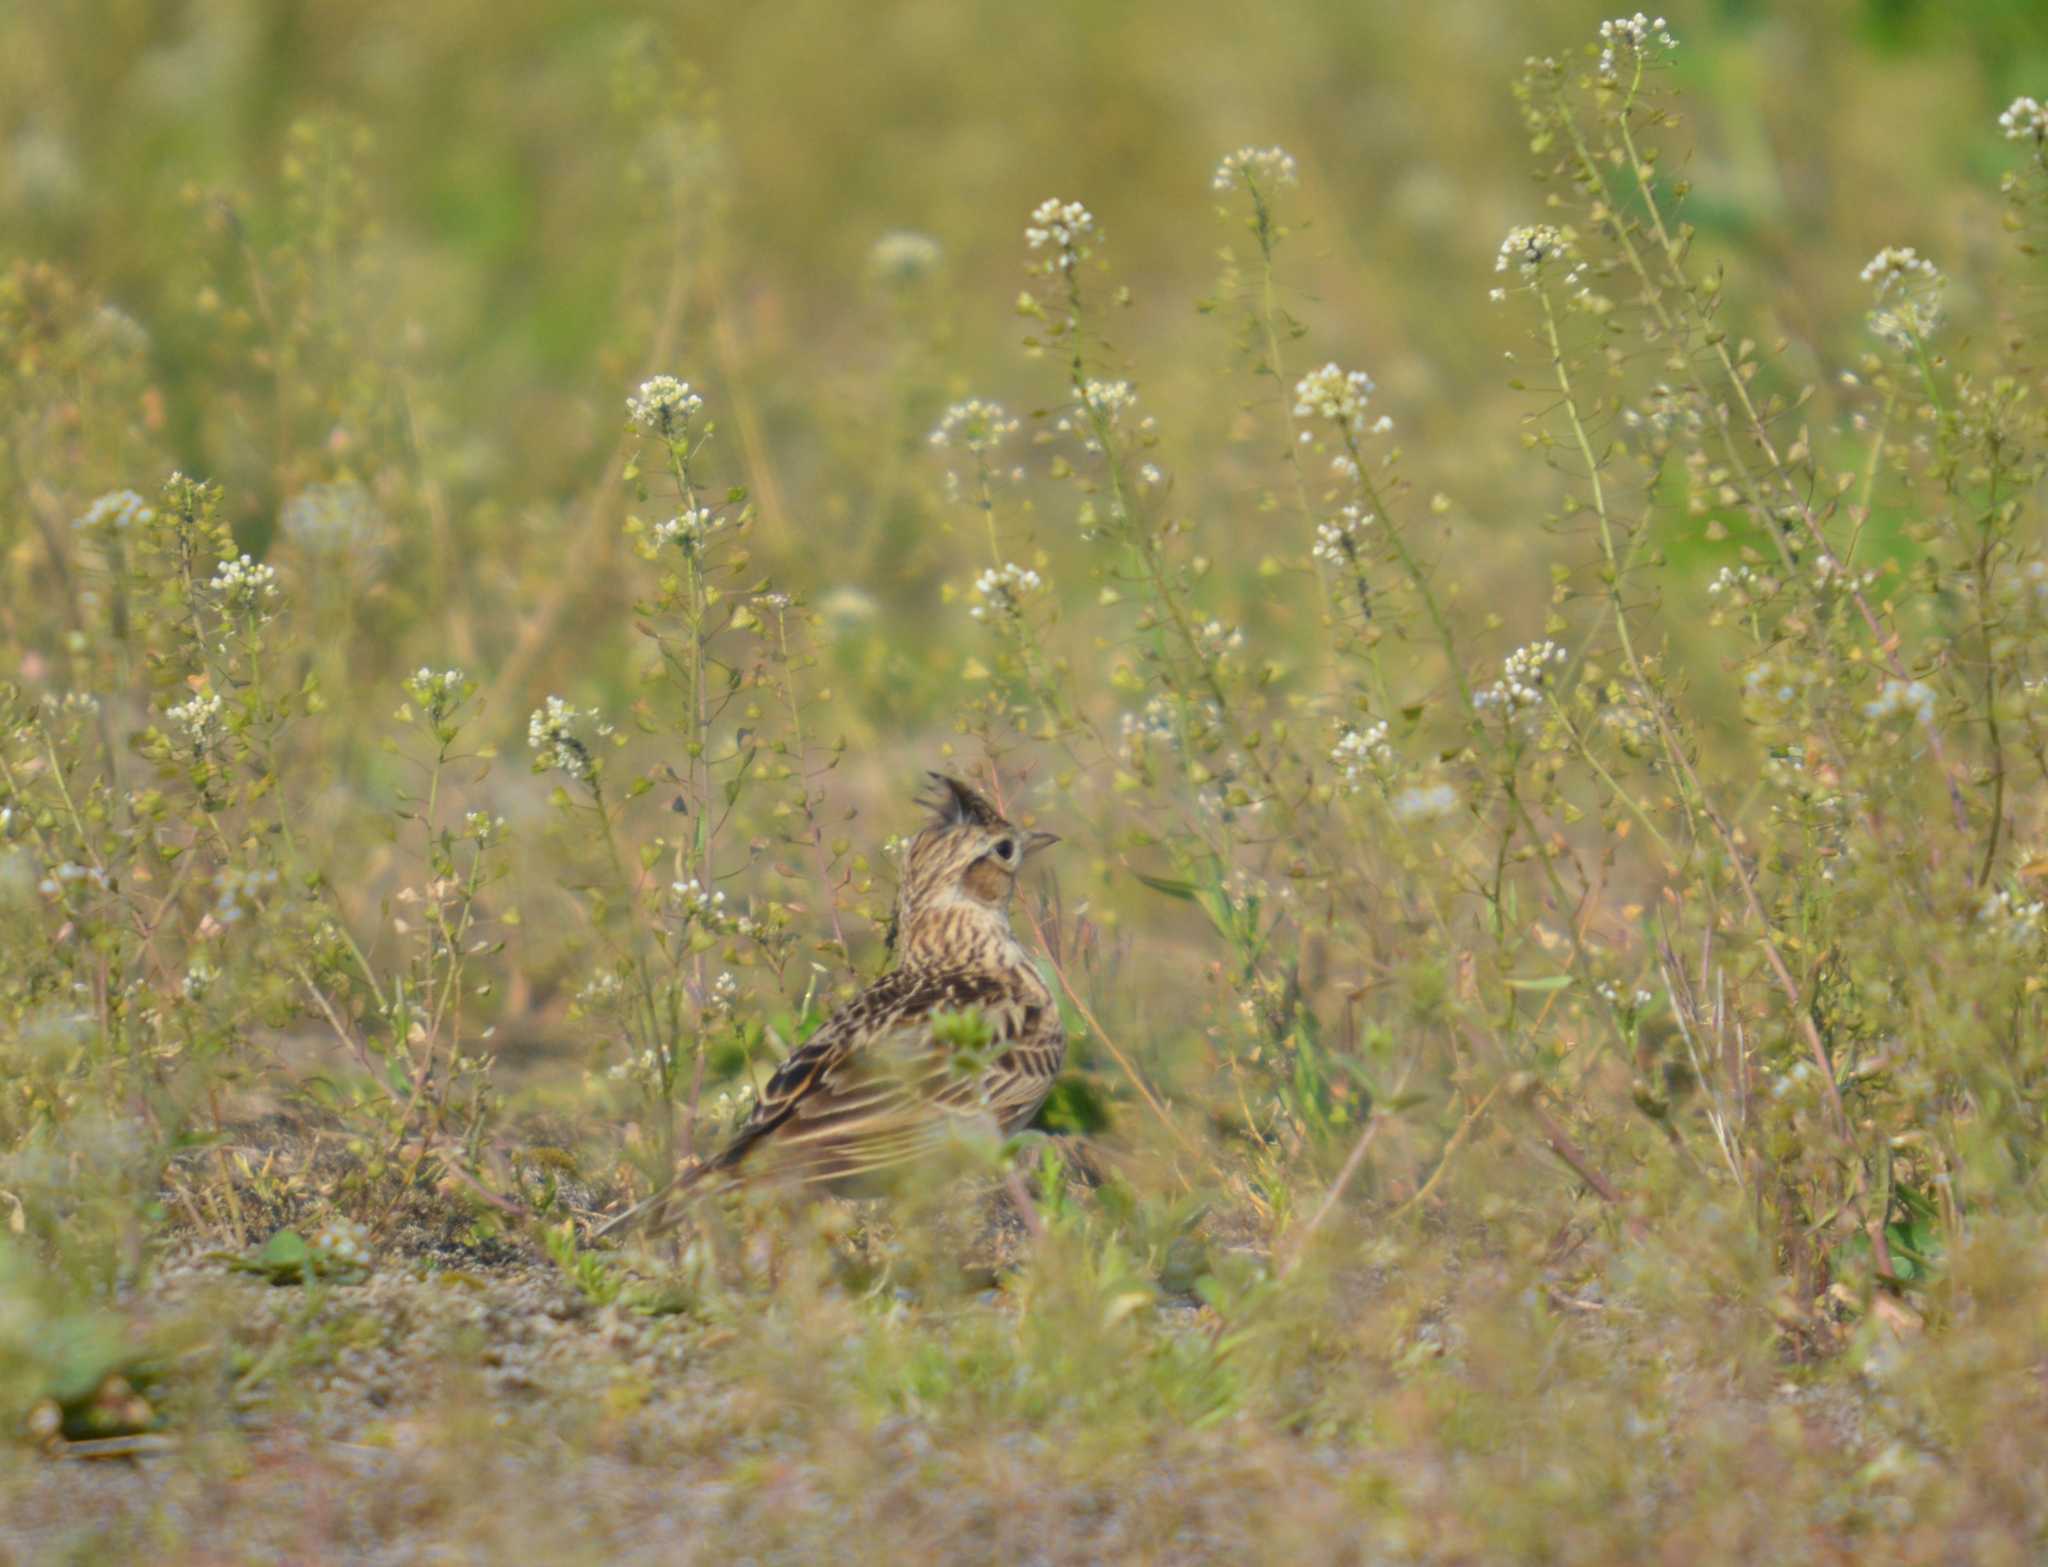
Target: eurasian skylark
[(961, 1033)]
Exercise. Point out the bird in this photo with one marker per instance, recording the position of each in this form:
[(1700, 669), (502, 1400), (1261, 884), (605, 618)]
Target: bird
[(960, 1032)]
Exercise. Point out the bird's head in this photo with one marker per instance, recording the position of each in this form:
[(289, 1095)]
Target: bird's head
[(966, 860)]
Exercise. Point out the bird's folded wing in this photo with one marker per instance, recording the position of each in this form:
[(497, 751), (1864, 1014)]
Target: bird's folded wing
[(877, 1085)]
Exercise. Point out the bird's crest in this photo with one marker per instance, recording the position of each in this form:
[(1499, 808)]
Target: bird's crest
[(957, 804)]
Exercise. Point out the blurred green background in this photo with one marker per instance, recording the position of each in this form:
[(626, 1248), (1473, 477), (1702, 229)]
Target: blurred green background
[(521, 209)]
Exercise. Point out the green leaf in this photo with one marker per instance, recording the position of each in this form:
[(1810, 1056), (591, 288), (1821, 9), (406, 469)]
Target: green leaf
[(287, 1249), (1186, 891), (1548, 983)]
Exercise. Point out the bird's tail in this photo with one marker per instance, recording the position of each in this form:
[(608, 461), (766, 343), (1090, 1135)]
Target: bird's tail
[(660, 1210)]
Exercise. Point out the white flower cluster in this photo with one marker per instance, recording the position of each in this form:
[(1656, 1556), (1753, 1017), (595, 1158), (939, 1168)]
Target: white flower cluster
[(1425, 802), (2025, 119), (1110, 399), (1630, 35), (83, 704), (1615, 997), (70, 873), (2019, 917), (245, 585), (903, 256), (1335, 394), (1361, 753), (200, 718), (1909, 293), (1140, 729), (1665, 409), (482, 826), (975, 425), (237, 891), (725, 995), (199, 977), (1261, 168), (1731, 579), (1063, 227), (1003, 590), (695, 902), (1216, 641), (1899, 265), (330, 519), (601, 992), (438, 691), (1339, 540), (550, 732), (1633, 725), (664, 406), (646, 1066), (1523, 675), (1829, 568), (1767, 685), (690, 528), (1529, 247), (341, 1243), (1903, 696), (117, 511)]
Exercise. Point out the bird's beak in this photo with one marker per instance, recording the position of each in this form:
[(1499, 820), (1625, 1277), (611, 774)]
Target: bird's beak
[(1033, 842)]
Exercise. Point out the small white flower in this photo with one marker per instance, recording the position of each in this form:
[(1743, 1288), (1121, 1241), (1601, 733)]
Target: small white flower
[(242, 584), (1899, 265), (2017, 918), (1731, 579), (1523, 675), (602, 991), (1334, 394), (1531, 246), (1110, 399), (695, 902), (1259, 168), (975, 425), (1064, 228), (200, 718), (236, 891), (1217, 641), (1633, 1003), (1139, 730), (1630, 35), (903, 256), (1339, 541), (2025, 119), (1361, 753), (724, 997), (690, 528), (117, 511), (331, 519), (440, 691), (550, 732), (1425, 802), (664, 406), (1003, 590), (199, 977), (1903, 696), (1909, 293)]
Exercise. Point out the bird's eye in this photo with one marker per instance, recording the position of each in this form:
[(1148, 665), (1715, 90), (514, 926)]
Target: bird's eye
[(1005, 848)]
